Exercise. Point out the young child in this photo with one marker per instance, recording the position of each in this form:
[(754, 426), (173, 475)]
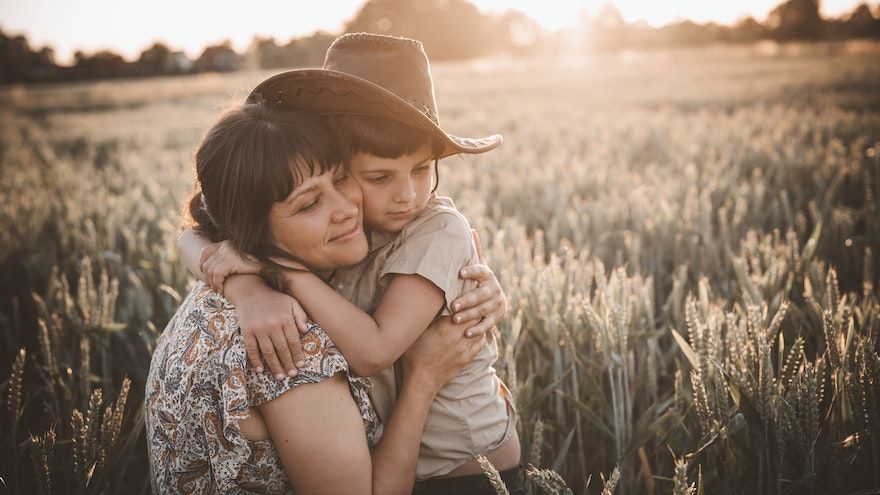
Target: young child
[(380, 92)]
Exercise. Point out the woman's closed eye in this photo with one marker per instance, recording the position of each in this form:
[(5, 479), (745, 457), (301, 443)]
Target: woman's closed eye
[(341, 180), (311, 205), (377, 179)]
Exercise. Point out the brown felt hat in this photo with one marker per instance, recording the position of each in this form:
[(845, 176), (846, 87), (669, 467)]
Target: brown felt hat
[(370, 74)]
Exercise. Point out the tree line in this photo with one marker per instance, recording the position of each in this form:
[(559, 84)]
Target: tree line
[(450, 29)]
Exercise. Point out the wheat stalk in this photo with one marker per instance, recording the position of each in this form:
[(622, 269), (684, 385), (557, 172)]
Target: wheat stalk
[(609, 486), (79, 437), (680, 479), (93, 424), (548, 480), (42, 450), (537, 443), (51, 364), (13, 393), (493, 475), (85, 365)]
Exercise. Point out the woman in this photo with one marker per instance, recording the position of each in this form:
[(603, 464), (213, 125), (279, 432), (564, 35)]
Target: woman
[(216, 424)]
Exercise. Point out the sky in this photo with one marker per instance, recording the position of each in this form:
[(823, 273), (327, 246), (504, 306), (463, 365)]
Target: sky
[(128, 27)]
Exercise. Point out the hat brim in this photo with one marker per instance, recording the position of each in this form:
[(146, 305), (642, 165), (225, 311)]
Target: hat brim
[(328, 91)]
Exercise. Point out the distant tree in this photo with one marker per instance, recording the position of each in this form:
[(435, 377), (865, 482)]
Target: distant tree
[(747, 30), (156, 60), (449, 29), (264, 53), (20, 63), (518, 32), (217, 58), (862, 23), (102, 65), (796, 20), (305, 52), (688, 33), (607, 29)]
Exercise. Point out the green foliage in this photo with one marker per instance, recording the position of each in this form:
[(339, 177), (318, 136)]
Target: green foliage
[(688, 241)]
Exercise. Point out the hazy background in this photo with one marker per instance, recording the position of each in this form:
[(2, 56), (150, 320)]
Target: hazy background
[(127, 28), (46, 40), (684, 217)]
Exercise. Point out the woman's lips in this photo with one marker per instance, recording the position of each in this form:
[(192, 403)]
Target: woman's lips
[(348, 236)]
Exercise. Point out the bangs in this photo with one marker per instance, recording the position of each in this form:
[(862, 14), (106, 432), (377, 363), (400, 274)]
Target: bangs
[(379, 136), (253, 157), (296, 152)]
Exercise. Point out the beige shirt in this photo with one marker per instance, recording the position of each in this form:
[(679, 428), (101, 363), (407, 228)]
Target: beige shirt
[(471, 415)]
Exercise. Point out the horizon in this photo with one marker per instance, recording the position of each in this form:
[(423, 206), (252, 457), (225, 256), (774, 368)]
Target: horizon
[(149, 24)]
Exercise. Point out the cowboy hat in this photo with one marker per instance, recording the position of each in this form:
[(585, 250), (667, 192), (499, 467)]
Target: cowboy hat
[(375, 75)]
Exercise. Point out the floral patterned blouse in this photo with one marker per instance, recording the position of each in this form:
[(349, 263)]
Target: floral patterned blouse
[(201, 384)]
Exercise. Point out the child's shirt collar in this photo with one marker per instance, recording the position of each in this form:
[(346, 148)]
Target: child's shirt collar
[(379, 238)]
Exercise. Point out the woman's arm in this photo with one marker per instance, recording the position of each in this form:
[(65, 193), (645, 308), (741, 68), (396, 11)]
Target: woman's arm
[(431, 362), (319, 435), (190, 245)]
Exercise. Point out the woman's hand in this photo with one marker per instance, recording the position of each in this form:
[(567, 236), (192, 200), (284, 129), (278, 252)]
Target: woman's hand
[(270, 324), (439, 354), (486, 303), (220, 260)]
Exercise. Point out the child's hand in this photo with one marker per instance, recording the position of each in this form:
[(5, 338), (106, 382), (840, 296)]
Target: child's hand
[(220, 260), (269, 321), (439, 354), (486, 303)]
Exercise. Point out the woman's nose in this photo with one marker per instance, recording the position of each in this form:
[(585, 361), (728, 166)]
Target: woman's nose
[(344, 208)]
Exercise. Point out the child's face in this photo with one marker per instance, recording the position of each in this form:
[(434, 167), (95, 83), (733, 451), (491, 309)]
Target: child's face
[(395, 190)]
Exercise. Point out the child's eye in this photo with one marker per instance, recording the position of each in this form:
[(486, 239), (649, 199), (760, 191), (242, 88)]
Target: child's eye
[(421, 170)]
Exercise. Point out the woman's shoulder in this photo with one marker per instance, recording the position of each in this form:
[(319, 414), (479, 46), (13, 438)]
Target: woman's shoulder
[(204, 315), (201, 300), (202, 297)]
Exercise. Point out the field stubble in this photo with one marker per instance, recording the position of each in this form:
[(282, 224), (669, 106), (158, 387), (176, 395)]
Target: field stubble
[(688, 239)]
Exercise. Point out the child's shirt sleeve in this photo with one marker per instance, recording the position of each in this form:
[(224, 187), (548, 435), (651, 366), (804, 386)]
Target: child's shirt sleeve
[(436, 248)]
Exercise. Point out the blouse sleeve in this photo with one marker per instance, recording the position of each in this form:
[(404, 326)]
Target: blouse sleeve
[(435, 249), (322, 361)]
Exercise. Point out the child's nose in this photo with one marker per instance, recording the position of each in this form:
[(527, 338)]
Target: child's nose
[(405, 193)]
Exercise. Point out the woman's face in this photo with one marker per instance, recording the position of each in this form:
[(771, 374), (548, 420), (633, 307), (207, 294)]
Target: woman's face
[(321, 222)]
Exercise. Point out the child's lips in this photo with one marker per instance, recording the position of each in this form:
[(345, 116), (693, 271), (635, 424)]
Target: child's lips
[(403, 213)]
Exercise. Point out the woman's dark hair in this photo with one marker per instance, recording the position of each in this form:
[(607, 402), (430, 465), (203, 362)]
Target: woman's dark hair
[(383, 137), (252, 157)]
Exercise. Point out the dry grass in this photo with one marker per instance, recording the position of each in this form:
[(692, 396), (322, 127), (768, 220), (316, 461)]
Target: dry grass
[(688, 240)]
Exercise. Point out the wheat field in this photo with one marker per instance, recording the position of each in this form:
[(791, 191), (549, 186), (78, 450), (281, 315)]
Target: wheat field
[(688, 240)]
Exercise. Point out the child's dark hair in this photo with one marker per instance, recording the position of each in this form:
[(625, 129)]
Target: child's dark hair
[(383, 137), (252, 157)]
